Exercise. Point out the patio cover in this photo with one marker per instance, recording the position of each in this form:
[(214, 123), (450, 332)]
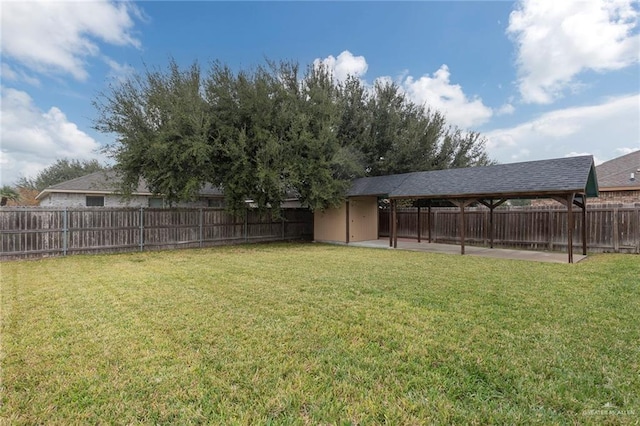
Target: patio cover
[(568, 180)]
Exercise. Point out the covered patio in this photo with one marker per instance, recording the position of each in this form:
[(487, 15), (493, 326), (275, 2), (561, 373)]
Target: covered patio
[(413, 245), (569, 181)]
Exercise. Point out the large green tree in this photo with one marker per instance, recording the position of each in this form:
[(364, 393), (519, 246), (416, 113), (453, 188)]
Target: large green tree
[(61, 170), (320, 165), (247, 135), (271, 130), (162, 124), (394, 135)]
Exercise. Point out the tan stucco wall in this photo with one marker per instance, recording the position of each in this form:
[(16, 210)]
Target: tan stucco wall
[(363, 219), (331, 225)]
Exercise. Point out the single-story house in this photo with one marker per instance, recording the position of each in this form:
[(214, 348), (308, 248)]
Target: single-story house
[(101, 189), (568, 180), (619, 179)]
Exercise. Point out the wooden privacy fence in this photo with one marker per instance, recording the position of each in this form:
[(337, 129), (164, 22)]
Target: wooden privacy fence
[(42, 232), (610, 228)]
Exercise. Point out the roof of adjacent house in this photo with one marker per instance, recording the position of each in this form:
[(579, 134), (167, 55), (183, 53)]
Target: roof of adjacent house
[(527, 179), (108, 182), (616, 173)]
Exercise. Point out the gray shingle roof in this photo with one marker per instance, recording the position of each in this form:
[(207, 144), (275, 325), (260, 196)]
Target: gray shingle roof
[(376, 185), (107, 182), (103, 181), (616, 173), (555, 176)]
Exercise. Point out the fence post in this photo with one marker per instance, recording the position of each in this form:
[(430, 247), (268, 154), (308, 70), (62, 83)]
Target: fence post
[(429, 223), (485, 226), (550, 228), (283, 233), (65, 232), (141, 228), (435, 227), (638, 228), (201, 225), (419, 225), (616, 231), (246, 225)]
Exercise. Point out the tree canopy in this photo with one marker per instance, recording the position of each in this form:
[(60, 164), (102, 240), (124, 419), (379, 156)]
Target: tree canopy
[(263, 133)]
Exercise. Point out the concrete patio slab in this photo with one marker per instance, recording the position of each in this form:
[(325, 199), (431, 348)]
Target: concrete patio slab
[(413, 245)]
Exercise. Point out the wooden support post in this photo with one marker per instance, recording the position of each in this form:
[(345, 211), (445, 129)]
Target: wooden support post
[(491, 205), (461, 222), (485, 228), (584, 224), (462, 226), (390, 223), (491, 225), (419, 223), (429, 223), (570, 227), (395, 224)]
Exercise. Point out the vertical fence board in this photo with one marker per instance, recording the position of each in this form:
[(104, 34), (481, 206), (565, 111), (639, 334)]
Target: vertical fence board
[(42, 232), (610, 228), (36, 232)]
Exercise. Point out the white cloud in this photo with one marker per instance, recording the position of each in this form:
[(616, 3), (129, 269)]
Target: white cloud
[(601, 130), (57, 37), (10, 74), (626, 150), (556, 40), (33, 139), (344, 65), (119, 71), (596, 160), (506, 109), (437, 92)]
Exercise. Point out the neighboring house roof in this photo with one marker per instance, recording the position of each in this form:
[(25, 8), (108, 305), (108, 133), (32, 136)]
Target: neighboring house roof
[(616, 174), (527, 179), (107, 182)]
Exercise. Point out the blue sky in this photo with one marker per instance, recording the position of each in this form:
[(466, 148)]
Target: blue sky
[(539, 79)]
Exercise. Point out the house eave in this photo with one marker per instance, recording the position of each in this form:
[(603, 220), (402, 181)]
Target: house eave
[(46, 192), (102, 192), (620, 188), (495, 195)]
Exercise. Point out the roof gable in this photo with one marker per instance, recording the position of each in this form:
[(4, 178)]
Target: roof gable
[(560, 175), (616, 173)]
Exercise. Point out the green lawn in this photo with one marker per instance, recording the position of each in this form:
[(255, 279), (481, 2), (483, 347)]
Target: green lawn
[(311, 333)]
